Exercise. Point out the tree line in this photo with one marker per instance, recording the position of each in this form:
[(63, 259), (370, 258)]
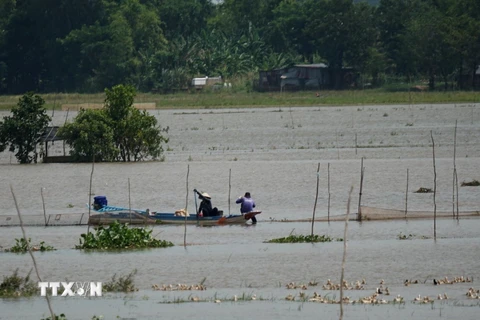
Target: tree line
[(159, 45)]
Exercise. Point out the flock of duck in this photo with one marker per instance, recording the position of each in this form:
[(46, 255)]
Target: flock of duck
[(179, 287), (378, 297)]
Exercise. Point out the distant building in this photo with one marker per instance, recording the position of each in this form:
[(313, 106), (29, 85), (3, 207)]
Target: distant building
[(304, 77), (200, 83), (470, 78)]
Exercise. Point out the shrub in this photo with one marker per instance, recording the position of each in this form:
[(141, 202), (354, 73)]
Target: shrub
[(120, 236)]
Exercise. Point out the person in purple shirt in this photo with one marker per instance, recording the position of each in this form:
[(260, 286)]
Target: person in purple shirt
[(247, 205)]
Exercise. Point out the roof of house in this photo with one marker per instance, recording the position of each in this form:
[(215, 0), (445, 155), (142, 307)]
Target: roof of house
[(49, 134), (313, 65)]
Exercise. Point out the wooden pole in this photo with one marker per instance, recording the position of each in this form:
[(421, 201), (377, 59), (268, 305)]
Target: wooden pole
[(434, 190), (186, 206), (44, 211), (355, 143), (336, 145), (66, 117), (90, 194), (129, 202), (229, 188), (30, 251), (316, 198), (454, 167), (406, 197), (362, 169), (344, 252), (456, 187), (328, 210)]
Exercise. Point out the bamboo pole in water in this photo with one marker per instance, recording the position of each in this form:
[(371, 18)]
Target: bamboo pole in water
[(90, 194), (43, 203), (362, 169), (186, 210), (434, 190), (454, 168), (129, 202), (344, 252), (328, 210), (355, 143), (229, 188), (316, 198), (456, 183), (30, 251), (406, 197)]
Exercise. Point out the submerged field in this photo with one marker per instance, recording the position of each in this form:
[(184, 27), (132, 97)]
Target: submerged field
[(273, 153)]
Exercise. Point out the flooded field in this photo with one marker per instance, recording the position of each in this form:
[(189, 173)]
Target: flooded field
[(273, 153)]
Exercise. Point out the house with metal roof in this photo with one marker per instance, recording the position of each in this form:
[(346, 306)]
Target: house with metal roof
[(315, 76)]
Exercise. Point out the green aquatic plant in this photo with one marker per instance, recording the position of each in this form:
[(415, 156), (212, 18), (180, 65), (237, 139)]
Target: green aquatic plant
[(402, 236), (120, 236), (22, 245), (303, 239), (473, 183), (62, 316), (122, 284), (16, 286)]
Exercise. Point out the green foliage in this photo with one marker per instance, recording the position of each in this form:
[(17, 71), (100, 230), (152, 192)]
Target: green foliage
[(62, 316), (20, 132), (122, 284), (303, 238), (161, 45), (120, 236), (90, 135), (118, 132), (21, 246), (15, 286), (402, 236)]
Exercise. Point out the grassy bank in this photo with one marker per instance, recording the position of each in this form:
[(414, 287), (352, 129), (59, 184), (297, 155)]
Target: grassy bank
[(231, 99)]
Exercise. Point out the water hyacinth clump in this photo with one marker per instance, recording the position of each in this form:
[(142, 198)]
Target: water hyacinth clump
[(120, 236), (303, 239), (21, 246)]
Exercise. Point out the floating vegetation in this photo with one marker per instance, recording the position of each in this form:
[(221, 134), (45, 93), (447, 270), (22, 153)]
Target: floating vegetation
[(122, 284), (410, 236), (424, 190), (16, 286), (303, 239), (179, 287), (402, 236), (120, 236), (21, 246), (473, 183), (62, 316)]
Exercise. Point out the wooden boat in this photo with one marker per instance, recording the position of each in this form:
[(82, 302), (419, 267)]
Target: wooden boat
[(108, 214)]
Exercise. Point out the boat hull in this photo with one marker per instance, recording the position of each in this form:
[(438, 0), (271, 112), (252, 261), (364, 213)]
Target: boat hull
[(167, 218)]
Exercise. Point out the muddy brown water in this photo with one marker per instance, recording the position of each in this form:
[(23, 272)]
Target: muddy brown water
[(273, 153)]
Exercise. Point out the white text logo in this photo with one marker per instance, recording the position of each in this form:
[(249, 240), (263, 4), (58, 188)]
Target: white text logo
[(71, 289)]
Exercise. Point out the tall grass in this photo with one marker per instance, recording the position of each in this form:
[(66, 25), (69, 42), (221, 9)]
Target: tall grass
[(231, 98)]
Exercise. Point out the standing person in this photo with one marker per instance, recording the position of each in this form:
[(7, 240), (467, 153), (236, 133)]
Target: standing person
[(247, 205)]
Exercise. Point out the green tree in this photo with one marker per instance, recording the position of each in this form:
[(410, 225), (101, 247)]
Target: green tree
[(135, 134), (118, 132), (342, 32), (90, 137), (20, 131)]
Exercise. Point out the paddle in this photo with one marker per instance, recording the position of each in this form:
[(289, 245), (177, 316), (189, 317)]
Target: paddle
[(195, 197)]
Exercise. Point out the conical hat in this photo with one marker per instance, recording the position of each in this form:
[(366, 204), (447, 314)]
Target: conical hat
[(206, 196)]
